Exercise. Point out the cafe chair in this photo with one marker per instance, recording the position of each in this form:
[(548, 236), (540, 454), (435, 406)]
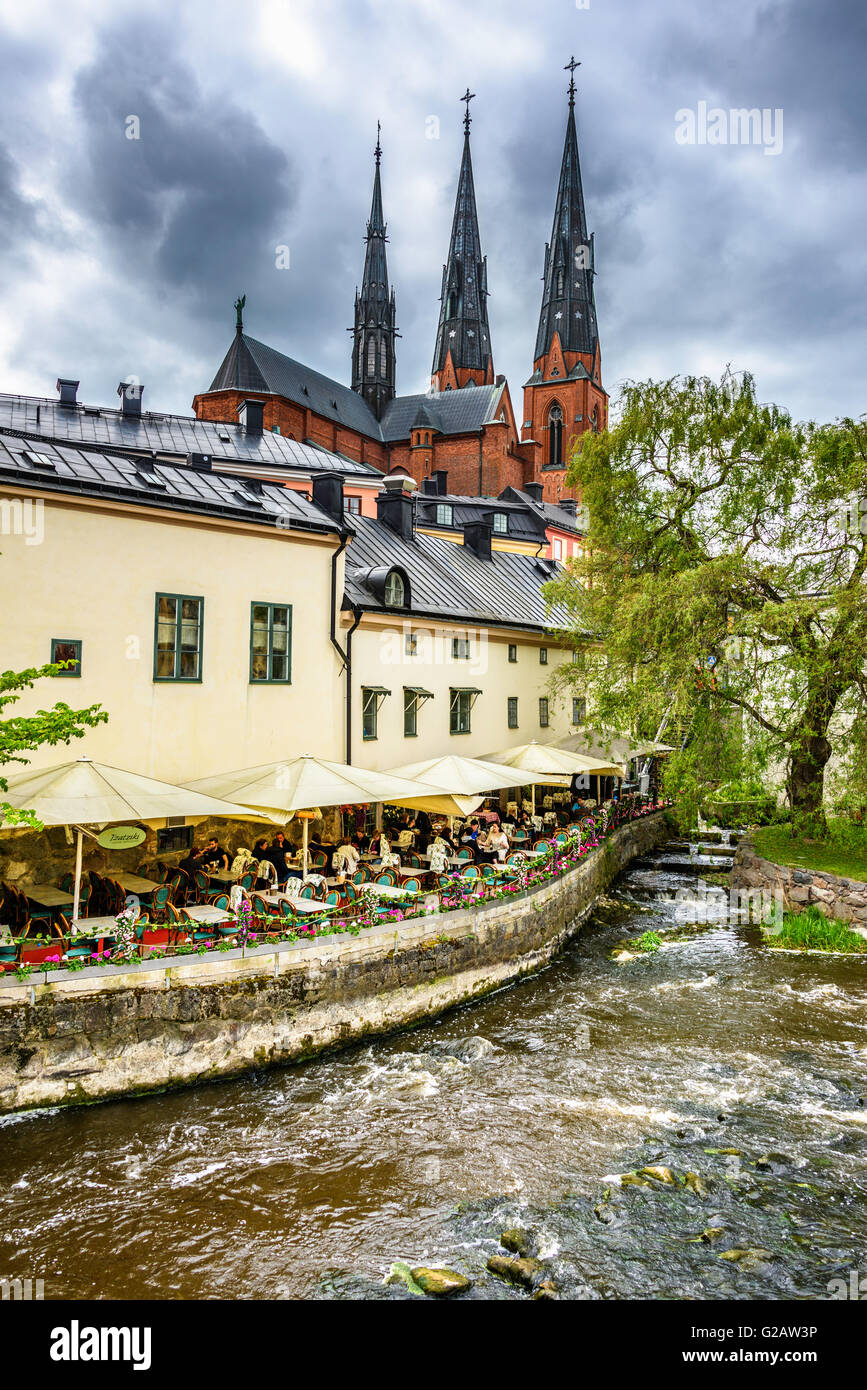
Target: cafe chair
[(308, 891), (288, 914), (361, 876), (465, 852), (247, 881), (161, 903), (387, 877), (471, 871)]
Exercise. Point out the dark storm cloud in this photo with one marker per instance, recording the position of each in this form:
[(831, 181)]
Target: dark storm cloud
[(705, 255), (200, 191)]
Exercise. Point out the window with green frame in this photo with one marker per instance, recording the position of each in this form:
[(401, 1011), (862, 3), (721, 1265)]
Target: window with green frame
[(512, 707), (579, 710), (410, 714), (67, 649), (178, 638), (543, 656), (543, 712), (369, 713), (271, 643), (459, 711), (460, 649), (513, 651)]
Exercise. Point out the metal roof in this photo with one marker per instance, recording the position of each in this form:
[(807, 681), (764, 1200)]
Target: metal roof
[(450, 582), (450, 412), (175, 487), (249, 361), (178, 435)]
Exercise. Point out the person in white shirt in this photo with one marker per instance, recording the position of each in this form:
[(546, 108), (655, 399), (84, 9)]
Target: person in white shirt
[(498, 842)]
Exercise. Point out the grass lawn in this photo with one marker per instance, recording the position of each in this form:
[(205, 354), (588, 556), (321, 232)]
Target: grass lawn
[(829, 856), (810, 931)]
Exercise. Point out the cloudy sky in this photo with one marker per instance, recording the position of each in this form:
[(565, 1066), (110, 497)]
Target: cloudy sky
[(256, 127)]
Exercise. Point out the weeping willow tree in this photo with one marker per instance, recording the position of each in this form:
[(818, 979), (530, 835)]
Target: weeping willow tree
[(724, 583)]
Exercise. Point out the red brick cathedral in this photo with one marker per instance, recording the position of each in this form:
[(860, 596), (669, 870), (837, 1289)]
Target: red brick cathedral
[(464, 427)]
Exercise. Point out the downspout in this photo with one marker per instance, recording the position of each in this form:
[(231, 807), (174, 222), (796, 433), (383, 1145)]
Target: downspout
[(358, 616), (344, 541), (481, 494)]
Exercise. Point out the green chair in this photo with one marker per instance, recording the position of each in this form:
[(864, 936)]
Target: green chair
[(471, 871), (387, 877)]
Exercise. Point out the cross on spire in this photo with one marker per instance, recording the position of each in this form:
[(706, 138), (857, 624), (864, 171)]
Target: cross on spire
[(467, 97), (570, 68), (377, 153)]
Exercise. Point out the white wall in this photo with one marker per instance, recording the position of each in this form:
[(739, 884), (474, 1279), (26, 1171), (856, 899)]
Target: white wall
[(94, 577)]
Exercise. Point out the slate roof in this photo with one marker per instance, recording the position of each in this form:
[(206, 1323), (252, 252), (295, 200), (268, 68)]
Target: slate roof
[(449, 581), (450, 412), (92, 472), (253, 366), (523, 523), (549, 512), (178, 435)]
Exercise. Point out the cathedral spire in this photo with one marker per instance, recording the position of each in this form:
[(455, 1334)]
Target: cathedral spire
[(463, 347), (373, 333), (568, 306)]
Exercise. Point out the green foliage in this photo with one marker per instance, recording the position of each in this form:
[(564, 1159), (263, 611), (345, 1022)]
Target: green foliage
[(841, 851), (22, 734), (810, 931), (718, 584), (648, 941)]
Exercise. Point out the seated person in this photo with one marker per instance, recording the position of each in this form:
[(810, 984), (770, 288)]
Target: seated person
[(276, 854), (345, 859), (485, 854), (498, 843), (214, 856), (266, 872), (191, 861)]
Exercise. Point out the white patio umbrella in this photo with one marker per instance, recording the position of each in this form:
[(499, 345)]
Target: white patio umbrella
[(548, 760), (461, 780), (83, 792), (305, 782)]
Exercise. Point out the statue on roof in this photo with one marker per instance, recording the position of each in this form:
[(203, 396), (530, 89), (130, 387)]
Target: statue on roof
[(239, 311)]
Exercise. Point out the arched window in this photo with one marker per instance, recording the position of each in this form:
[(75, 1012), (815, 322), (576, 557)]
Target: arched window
[(394, 590), (360, 356), (452, 304), (371, 356), (382, 359), (555, 437)]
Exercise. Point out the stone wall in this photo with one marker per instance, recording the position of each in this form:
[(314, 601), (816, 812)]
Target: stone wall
[(843, 898), (116, 1031)]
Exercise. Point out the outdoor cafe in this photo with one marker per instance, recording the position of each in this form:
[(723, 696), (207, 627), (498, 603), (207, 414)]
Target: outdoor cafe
[(446, 839)]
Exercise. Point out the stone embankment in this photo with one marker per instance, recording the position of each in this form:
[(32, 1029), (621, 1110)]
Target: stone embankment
[(842, 898)]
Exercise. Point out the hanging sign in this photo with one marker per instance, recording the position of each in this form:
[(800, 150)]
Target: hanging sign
[(121, 837)]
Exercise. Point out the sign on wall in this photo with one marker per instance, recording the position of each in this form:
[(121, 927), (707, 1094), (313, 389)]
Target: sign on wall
[(121, 837)]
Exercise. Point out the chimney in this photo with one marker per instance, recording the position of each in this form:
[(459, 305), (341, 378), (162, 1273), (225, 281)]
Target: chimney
[(477, 536), (568, 504), (250, 414), (328, 494), (442, 477), (67, 389), (534, 490), (130, 400), (394, 505), (430, 486)]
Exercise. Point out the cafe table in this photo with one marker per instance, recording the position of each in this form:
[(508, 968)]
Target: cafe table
[(302, 905), (451, 859), (46, 895), (134, 883), (219, 875), (206, 912), (388, 890)]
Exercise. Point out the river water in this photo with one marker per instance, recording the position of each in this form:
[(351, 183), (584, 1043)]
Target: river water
[(712, 1056)]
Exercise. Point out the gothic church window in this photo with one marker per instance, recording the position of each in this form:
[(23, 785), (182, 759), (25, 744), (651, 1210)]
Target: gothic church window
[(371, 356), (555, 437)]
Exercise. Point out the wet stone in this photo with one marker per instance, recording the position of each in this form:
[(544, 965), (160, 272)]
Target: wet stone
[(439, 1283)]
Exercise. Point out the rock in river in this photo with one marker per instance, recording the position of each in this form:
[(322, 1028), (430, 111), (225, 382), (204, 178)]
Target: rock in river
[(439, 1283), (515, 1271), (516, 1240)]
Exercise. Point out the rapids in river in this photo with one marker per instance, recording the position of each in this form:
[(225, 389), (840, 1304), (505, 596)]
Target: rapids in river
[(713, 1056)]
